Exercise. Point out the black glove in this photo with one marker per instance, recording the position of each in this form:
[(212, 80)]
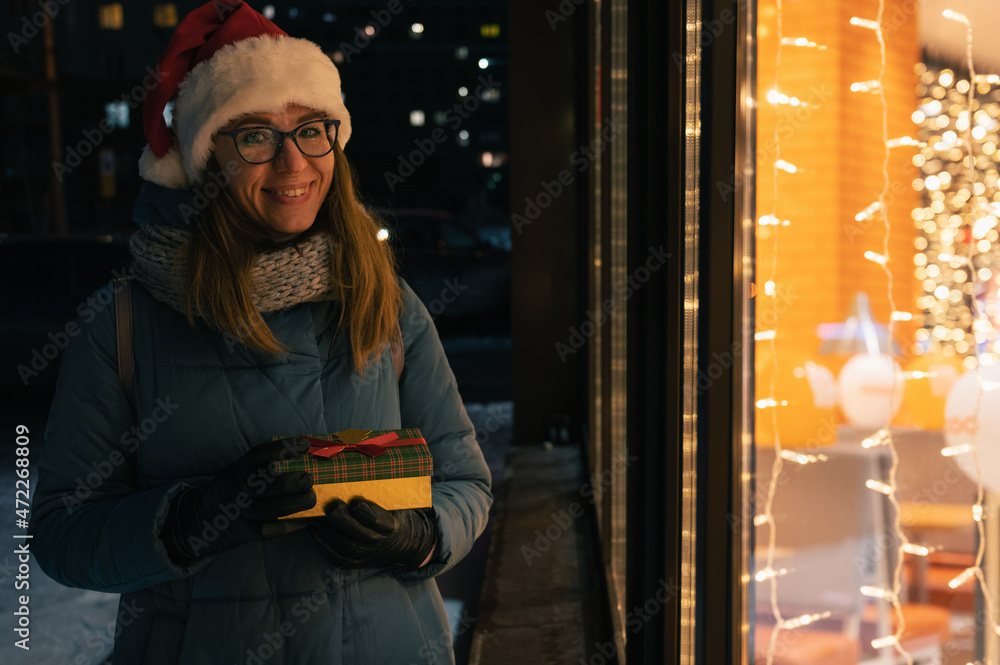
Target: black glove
[(241, 504), (362, 534)]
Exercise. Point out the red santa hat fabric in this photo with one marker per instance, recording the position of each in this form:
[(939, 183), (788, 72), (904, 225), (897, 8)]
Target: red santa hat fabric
[(224, 61)]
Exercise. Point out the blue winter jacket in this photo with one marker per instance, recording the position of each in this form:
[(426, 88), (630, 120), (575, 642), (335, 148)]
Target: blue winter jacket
[(202, 401)]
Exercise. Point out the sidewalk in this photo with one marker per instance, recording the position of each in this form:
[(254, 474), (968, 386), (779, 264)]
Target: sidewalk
[(76, 627)]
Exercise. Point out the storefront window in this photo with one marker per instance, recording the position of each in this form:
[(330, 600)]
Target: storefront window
[(876, 369)]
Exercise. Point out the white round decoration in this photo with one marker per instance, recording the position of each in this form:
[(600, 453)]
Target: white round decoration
[(972, 416), (869, 390)]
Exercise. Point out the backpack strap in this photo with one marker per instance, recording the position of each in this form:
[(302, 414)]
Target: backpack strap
[(123, 336), (396, 349)]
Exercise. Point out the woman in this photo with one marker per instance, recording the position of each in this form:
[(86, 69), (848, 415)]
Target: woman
[(263, 307)]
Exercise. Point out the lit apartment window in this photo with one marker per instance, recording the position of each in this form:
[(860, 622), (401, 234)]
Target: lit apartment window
[(489, 30), (116, 113), (111, 16), (165, 15)]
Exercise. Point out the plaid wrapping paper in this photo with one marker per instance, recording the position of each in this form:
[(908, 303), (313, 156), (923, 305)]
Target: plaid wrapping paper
[(407, 461)]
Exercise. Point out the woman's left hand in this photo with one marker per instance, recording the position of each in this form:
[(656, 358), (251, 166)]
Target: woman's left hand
[(362, 534)]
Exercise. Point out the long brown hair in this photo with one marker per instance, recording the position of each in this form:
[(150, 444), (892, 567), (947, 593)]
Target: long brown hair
[(224, 244)]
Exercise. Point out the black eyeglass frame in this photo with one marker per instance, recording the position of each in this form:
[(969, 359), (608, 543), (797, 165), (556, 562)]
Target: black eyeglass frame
[(290, 134)]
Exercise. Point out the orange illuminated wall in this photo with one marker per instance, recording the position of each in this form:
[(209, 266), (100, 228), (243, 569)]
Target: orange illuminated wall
[(836, 142)]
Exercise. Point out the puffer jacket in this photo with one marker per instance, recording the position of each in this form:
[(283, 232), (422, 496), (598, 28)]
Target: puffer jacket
[(202, 401)]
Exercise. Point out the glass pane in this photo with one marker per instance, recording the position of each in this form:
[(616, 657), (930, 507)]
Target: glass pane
[(875, 364)]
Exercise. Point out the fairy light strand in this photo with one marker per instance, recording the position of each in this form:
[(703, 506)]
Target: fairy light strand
[(802, 41), (970, 218), (958, 212), (904, 141), (882, 438), (971, 248), (787, 167), (802, 458), (804, 620), (879, 438), (895, 639), (917, 550), (866, 23), (868, 212), (777, 465)]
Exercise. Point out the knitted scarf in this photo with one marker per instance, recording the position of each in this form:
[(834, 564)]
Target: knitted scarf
[(281, 277)]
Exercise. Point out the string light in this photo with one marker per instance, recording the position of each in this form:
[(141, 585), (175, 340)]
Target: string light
[(882, 258), (879, 486), (801, 458), (904, 141), (955, 16), (802, 41), (869, 211), (875, 257), (887, 641), (959, 227), (879, 438), (776, 97), (961, 449), (953, 259), (776, 467), (982, 226), (878, 592), (916, 550), (962, 577), (804, 620), (768, 573), (864, 23), (770, 403), (866, 86), (771, 220), (889, 488)]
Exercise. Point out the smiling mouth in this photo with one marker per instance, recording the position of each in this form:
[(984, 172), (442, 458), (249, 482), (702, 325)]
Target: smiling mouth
[(290, 193)]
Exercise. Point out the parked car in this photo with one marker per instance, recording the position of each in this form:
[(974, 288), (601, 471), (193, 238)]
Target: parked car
[(44, 286), (463, 281)]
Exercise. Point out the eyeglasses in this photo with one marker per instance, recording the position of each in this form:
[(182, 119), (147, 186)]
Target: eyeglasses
[(259, 145)]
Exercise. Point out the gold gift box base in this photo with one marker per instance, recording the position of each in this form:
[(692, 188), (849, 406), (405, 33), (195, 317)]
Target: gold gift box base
[(391, 494)]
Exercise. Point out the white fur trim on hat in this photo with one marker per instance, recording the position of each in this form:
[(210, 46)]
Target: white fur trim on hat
[(256, 75), (167, 171)]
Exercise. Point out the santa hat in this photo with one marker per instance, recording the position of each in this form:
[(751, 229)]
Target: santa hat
[(224, 61)]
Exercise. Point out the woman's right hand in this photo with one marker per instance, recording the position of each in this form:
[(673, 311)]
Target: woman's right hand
[(241, 504)]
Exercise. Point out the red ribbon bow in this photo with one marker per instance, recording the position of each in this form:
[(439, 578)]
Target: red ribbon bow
[(372, 447)]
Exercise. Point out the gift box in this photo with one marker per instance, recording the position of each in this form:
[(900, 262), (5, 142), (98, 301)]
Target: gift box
[(389, 467)]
